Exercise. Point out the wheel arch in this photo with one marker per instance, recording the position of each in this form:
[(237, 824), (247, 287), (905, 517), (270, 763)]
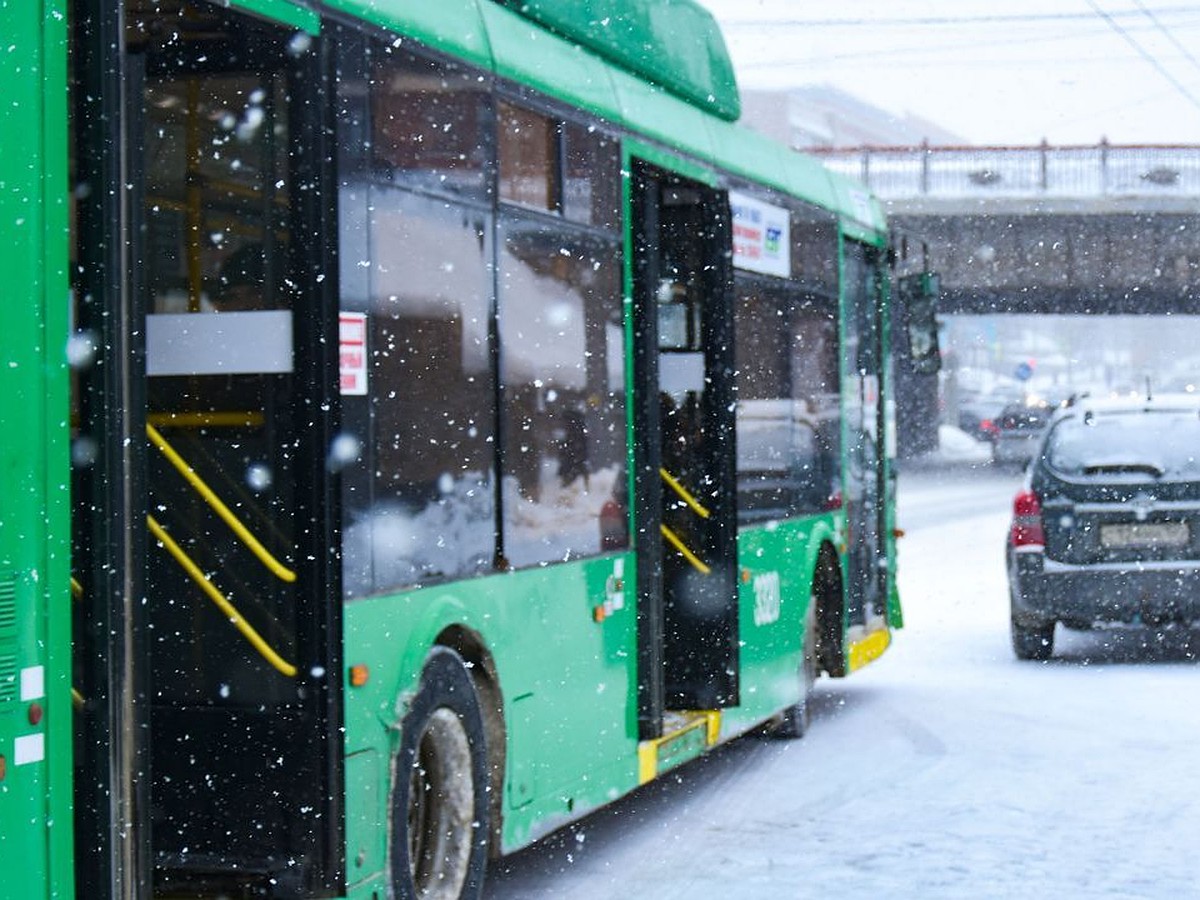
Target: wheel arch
[(481, 665)]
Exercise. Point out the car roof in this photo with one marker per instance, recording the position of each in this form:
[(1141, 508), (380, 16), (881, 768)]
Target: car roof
[(1117, 405)]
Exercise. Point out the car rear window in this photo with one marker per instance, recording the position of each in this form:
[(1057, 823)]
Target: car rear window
[(1019, 415), (1141, 443)]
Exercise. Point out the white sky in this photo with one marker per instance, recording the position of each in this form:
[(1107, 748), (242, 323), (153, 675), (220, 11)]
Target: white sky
[(1069, 71)]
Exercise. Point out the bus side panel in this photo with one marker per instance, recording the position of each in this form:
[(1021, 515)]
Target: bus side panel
[(561, 640), (35, 769), (572, 707), (776, 572)]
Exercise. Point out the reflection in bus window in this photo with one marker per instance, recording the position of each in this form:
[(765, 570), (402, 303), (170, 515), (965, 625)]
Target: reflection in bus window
[(426, 123), (528, 151), (590, 180), (787, 401), (561, 377), (419, 506), (423, 508)]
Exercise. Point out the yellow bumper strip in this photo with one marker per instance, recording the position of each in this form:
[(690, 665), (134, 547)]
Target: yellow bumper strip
[(679, 545), (707, 721), (235, 618), (647, 761), (869, 649)]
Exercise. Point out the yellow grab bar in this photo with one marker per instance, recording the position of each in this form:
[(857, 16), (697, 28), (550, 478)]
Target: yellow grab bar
[(282, 572), (234, 419), (679, 545), (218, 598), (683, 492)]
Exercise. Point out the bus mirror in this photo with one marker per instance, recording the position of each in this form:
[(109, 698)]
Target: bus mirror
[(919, 295)]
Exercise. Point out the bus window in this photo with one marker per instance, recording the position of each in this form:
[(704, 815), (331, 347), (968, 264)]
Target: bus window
[(558, 166), (426, 122), (788, 409), (561, 378), (591, 180), (529, 157), (420, 506)]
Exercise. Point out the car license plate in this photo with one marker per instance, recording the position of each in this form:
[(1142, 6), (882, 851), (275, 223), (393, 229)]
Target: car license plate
[(1145, 534)]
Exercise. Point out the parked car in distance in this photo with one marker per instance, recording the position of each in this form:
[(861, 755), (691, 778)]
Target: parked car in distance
[(978, 416), (1106, 528), (1019, 427)]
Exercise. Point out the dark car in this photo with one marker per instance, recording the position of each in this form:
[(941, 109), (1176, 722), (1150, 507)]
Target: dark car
[(977, 417), (1106, 529), (1019, 427)]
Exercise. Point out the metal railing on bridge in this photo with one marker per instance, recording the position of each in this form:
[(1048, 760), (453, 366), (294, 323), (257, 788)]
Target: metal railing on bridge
[(1101, 170)]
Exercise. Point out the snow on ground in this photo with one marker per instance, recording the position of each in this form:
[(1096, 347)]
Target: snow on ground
[(948, 769), (956, 446)]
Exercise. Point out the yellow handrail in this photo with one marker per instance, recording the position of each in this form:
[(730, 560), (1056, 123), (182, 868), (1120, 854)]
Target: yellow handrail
[(232, 419), (683, 492), (282, 572), (219, 599), (679, 545)]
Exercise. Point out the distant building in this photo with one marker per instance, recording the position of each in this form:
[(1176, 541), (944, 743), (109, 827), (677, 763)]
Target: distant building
[(824, 116)]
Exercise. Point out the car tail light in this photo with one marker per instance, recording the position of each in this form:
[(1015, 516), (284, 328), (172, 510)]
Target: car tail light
[(1027, 528), (988, 427), (614, 533)]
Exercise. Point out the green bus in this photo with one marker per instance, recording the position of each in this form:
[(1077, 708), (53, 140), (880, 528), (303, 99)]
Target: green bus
[(427, 422)]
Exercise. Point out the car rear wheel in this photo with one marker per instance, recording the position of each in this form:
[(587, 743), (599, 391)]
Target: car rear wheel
[(1032, 641)]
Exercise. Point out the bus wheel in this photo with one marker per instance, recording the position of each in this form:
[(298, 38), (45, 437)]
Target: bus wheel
[(440, 824), (827, 594), (797, 718)]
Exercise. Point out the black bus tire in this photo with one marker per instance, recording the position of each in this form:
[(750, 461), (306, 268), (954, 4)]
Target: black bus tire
[(440, 811), (798, 717), (831, 602)]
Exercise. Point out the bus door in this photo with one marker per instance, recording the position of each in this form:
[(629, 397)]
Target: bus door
[(685, 460), (864, 500), (223, 458)]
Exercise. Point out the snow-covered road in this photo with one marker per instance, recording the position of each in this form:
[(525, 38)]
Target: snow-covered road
[(946, 770)]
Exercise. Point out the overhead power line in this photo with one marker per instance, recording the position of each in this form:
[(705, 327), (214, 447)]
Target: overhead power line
[(730, 23), (1170, 36), (1149, 57), (937, 53)]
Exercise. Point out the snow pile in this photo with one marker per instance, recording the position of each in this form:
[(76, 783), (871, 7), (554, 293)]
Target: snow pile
[(955, 445), (955, 448)]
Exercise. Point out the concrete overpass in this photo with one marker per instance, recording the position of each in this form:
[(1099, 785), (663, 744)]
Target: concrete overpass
[(1101, 229), (1092, 230)]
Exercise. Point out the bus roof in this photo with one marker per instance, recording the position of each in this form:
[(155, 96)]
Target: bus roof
[(628, 77), (676, 44)]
